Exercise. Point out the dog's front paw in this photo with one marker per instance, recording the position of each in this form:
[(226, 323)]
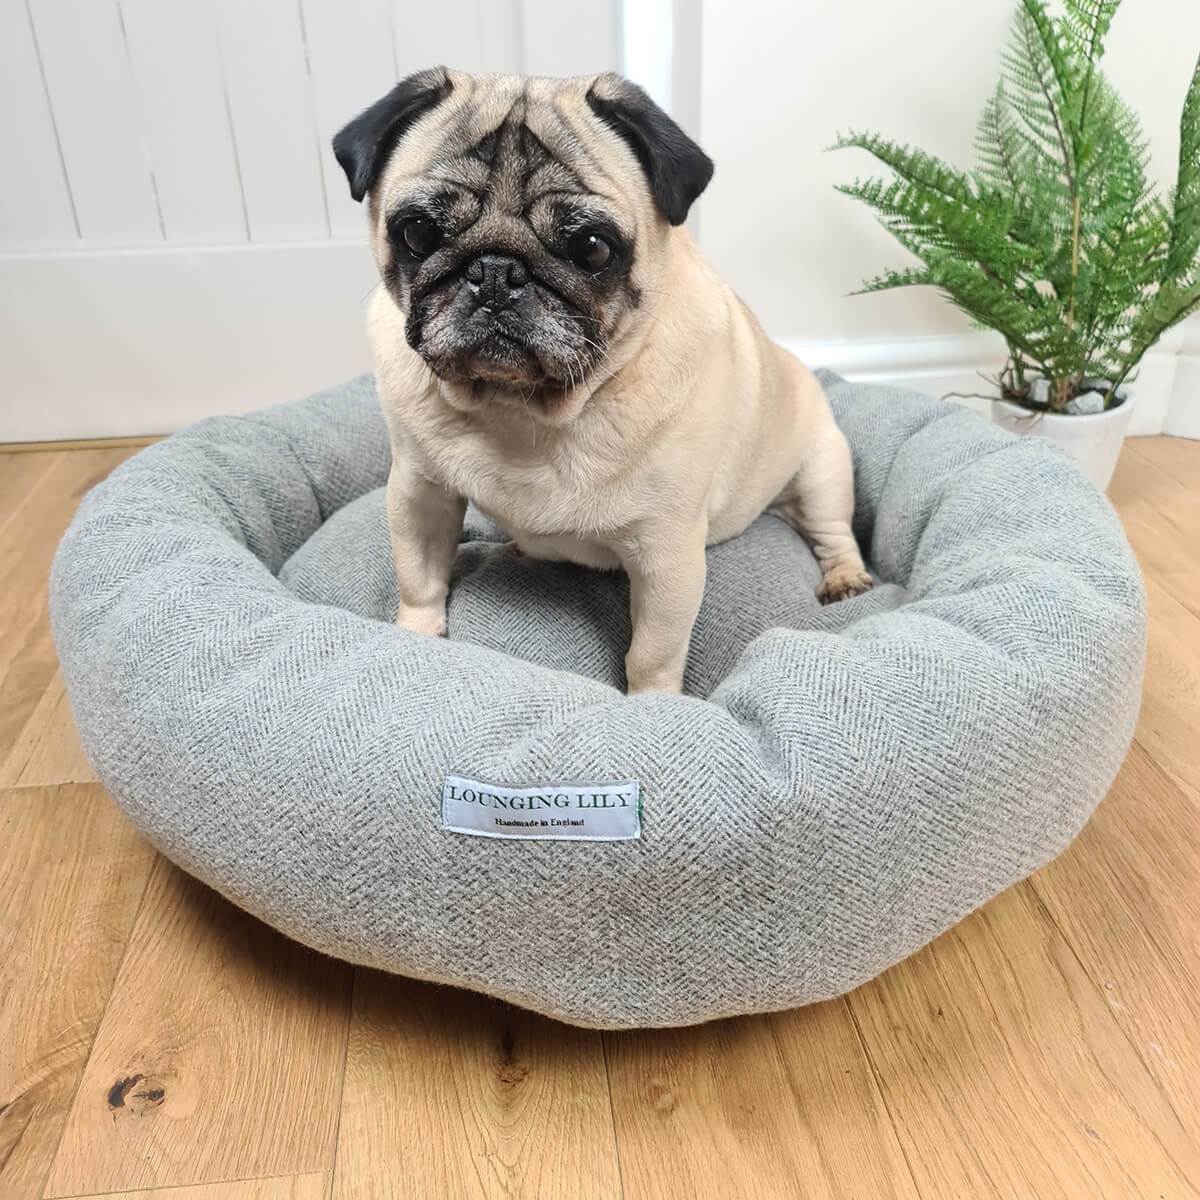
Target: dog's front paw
[(430, 621), (843, 582), (664, 678)]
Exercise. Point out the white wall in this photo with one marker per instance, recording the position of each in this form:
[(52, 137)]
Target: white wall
[(176, 238), (781, 79)]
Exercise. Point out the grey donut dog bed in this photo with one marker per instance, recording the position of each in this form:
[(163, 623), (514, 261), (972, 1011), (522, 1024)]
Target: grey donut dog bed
[(839, 785)]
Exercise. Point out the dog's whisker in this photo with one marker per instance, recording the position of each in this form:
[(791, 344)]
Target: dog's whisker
[(525, 398)]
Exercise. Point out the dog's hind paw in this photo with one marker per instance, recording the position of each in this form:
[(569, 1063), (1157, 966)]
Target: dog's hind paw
[(843, 582)]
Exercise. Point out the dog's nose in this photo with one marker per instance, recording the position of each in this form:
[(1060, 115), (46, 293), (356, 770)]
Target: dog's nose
[(496, 280)]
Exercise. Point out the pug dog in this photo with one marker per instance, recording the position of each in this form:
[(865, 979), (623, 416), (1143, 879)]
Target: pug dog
[(551, 344)]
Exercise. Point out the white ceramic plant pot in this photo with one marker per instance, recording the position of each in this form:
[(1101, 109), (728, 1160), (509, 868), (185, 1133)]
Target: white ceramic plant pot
[(1094, 441)]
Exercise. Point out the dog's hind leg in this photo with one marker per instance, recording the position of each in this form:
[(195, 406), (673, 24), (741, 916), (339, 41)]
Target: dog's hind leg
[(818, 503)]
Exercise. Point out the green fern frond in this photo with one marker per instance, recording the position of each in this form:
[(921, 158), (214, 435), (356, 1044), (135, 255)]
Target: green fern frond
[(918, 168), (1170, 305), (998, 145), (1084, 28), (1048, 68), (1086, 23), (1184, 248), (975, 227), (913, 277)]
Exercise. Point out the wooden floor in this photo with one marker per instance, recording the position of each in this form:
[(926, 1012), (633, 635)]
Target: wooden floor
[(153, 1040)]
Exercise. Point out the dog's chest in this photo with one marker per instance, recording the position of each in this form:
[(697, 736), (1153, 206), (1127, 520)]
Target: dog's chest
[(558, 492)]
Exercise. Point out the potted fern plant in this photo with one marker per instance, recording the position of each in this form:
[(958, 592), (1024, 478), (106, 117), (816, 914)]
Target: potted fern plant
[(1056, 239)]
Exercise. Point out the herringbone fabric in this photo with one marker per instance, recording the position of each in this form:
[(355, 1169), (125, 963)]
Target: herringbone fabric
[(838, 786)]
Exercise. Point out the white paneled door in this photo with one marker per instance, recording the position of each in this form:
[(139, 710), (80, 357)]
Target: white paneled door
[(176, 239)]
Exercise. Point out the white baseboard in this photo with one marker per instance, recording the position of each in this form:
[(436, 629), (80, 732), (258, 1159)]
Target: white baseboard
[(1167, 384), (1183, 415), (126, 342)]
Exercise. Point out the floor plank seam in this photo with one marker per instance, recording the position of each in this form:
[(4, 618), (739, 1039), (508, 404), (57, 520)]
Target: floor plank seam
[(877, 1080), (1147, 456), (1168, 584), (103, 1014), (1098, 987), (341, 1084), (52, 787), (1186, 788), (612, 1115), (72, 445), (29, 495), (15, 770), (183, 1187)]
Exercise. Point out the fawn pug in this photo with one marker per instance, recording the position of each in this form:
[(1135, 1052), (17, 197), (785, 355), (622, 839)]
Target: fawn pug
[(551, 345)]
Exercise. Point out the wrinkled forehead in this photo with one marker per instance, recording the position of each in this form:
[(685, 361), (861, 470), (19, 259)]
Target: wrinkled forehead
[(511, 141)]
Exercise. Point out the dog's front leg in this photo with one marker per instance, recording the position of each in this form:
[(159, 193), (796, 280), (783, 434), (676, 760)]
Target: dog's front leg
[(666, 583), (424, 520)]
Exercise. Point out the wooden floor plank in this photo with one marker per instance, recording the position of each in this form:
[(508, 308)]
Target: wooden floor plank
[(1176, 456), (27, 545), (73, 873), (20, 477), (1127, 898), (854, 1146), (770, 1106), (1169, 727), (24, 744), (47, 751), (452, 1094), (57, 755), (1009, 1078), (287, 1187), (134, 441), (1162, 520), (1162, 517), (219, 1057)]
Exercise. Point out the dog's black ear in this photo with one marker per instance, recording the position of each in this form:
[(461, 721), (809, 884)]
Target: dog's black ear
[(676, 168), (362, 148)]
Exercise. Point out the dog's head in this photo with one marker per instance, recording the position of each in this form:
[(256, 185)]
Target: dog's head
[(519, 222)]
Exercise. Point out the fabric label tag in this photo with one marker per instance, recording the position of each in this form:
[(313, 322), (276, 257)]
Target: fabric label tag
[(601, 812)]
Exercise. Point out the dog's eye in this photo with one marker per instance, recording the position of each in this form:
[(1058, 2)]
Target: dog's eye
[(589, 252), (421, 236)]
